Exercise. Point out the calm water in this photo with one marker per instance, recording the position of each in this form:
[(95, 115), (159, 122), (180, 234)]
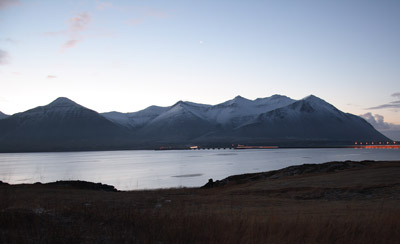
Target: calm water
[(129, 170)]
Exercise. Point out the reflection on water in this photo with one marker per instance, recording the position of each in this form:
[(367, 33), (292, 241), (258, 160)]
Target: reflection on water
[(188, 175), (129, 170)]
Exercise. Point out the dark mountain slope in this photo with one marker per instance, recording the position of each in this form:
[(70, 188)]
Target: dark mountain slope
[(59, 126), (3, 115)]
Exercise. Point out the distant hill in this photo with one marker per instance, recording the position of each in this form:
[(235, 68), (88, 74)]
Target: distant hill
[(64, 125)]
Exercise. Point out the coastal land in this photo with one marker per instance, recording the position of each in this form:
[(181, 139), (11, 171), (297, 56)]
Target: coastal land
[(335, 202)]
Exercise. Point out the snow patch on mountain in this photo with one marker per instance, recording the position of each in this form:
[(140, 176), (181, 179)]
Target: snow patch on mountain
[(246, 109), (135, 119)]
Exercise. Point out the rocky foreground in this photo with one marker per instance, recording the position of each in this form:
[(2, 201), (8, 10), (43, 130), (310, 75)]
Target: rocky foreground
[(336, 202)]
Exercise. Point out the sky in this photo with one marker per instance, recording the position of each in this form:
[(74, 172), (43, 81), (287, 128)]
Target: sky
[(127, 55)]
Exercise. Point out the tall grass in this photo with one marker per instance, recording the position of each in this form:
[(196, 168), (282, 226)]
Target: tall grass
[(102, 222)]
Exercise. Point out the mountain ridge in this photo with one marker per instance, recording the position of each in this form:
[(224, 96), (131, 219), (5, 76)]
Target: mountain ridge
[(64, 125)]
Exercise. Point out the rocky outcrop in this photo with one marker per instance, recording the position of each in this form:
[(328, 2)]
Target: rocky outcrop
[(289, 171)]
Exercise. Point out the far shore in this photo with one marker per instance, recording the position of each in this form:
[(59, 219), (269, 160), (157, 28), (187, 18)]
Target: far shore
[(357, 145)]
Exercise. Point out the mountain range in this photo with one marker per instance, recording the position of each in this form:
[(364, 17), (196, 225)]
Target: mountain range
[(64, 125)]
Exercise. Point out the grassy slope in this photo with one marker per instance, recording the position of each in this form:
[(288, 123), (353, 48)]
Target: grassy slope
[(356, 205)]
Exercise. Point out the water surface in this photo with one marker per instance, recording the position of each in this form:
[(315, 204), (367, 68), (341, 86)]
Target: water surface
[(130, 170)]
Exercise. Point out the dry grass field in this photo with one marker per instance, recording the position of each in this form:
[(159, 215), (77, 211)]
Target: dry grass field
[(339, 202)]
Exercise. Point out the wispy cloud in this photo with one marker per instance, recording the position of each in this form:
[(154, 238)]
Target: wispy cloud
[(76, 26), (396, 95), (79, 23), (394, 104), (4, 57), (8, 3), (9, 40), (69, 44), (51, 77)]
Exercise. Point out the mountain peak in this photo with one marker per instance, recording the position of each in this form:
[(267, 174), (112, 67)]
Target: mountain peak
[(315, 102), (3, 115), (179, 103), (312, 98), (277, 96), (240, 98), (63, 102)]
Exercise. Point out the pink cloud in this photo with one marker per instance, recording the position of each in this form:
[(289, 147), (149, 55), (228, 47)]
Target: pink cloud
[(8, 3), (76, 26), (79, 23), (69, 44), (51, 77)]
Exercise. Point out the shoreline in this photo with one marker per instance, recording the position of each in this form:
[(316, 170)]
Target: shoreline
[(293, 170)]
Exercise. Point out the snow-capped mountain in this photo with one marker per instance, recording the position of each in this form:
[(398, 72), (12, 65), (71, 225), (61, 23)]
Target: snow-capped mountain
[(3, 115), (308, 119), (276, 120), (182, 121), (232, 112)]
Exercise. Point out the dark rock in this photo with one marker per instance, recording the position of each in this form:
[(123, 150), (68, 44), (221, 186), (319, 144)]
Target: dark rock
[(3, 183), (84, 185), (209, 184)]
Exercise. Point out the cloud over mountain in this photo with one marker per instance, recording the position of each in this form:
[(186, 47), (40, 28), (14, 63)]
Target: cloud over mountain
[(378, 121)]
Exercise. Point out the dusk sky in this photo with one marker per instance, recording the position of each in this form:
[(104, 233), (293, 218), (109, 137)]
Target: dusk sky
[(128, 55)]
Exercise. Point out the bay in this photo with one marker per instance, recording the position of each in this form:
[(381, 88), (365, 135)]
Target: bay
[(132, 170)]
